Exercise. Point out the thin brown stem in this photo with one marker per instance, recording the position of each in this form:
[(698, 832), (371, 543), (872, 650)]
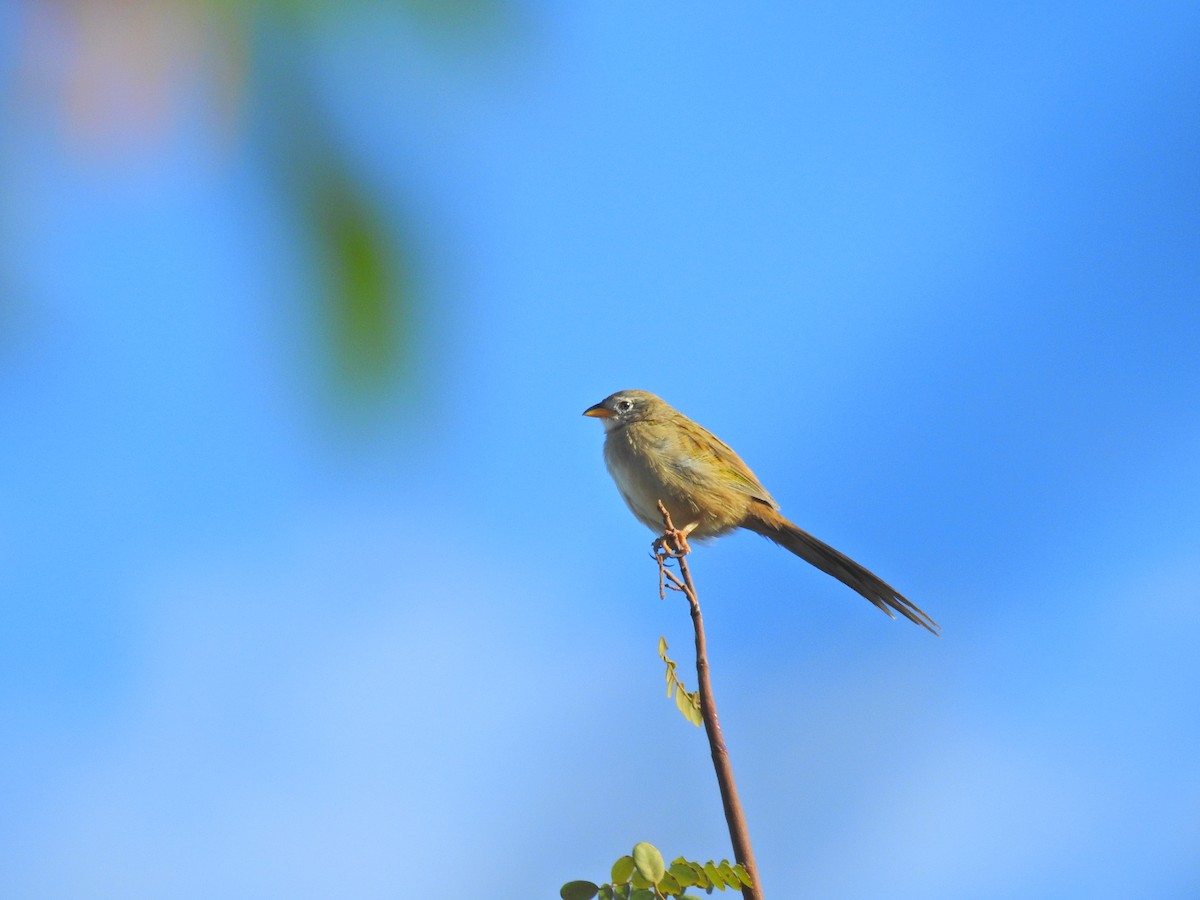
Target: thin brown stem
[(735, 818)]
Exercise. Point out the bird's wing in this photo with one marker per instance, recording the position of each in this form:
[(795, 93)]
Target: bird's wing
[(708, 449)]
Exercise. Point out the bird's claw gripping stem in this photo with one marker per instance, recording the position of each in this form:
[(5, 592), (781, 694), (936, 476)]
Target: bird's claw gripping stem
[(672, 545)]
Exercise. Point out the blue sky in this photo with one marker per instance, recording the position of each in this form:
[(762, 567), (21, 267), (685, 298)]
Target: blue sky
[(932, 271)]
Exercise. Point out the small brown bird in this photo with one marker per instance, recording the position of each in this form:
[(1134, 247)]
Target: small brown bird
[(655, 452)]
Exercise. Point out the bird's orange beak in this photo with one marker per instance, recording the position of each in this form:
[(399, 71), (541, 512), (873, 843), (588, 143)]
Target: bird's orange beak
[(599, 411)]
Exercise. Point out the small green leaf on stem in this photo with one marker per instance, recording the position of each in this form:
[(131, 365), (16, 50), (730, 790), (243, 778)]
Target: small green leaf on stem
[(714, 875), (579, 890), (649, 862), (689, 705), (622, 869), (683, 872), (743, 875), (669, 884), (730, 876), (688, 702)]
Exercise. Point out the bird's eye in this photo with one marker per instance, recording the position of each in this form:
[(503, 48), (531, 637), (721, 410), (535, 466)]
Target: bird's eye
[(624, 405)]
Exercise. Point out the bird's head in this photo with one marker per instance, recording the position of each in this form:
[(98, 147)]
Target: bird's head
[(624, 407)]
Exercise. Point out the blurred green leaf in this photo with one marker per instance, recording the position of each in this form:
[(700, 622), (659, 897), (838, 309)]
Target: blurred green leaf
[(446, 15), (368, 295), (456, 13), (363, 259)]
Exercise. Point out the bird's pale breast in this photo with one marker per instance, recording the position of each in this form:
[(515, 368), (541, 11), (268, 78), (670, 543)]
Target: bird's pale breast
[(647, 462)]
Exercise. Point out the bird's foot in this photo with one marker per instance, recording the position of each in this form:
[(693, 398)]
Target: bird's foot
[(672, 545)]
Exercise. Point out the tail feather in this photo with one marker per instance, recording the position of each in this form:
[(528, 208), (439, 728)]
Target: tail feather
[(770, 524)]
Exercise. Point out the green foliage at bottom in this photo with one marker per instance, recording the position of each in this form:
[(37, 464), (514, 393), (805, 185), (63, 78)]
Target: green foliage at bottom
[(644, 875)]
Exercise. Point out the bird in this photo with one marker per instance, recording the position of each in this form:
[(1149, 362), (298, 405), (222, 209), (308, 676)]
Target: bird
[(656, 453)]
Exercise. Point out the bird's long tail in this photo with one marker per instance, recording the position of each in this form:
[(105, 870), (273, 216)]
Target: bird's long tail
[(767, 522)]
